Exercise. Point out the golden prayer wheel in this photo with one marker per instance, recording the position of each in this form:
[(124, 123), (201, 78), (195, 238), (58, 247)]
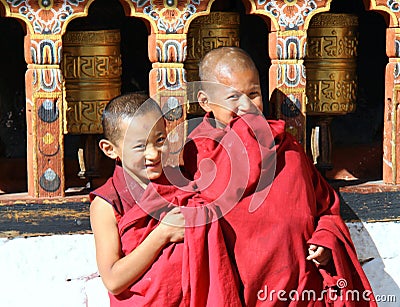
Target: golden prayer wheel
[(331, 72), (331, 64), (92, 71), (208, 32)]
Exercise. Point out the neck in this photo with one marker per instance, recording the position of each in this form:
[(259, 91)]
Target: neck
[(137, 179), (214, 122), (219, 125)]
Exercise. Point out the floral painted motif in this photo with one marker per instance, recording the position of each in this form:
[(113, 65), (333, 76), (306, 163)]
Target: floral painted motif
[(171, 50), (168, 19), (290, 14), (50, 20), (291, 75), (47, 80), (46, 20), (171, 79), (394, 5), (45, 51), (291, 47)]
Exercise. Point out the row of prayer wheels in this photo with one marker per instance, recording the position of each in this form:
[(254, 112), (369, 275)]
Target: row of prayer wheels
[(92, 66)]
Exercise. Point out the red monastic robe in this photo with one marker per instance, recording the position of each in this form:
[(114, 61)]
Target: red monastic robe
[(161, 283), (269, 237), (197, 272)]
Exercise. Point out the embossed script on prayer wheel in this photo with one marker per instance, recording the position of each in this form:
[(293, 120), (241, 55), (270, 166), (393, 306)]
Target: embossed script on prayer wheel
[(331, 64), (206, 33), (92, 71)]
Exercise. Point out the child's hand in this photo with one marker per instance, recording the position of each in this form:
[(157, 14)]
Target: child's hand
[(173, 225), (319, 255)]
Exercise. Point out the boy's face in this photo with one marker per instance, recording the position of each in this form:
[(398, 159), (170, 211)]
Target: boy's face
[(236, 94), (142, 145)]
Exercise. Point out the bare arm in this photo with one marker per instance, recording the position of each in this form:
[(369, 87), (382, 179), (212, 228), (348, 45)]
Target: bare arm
[(118, 272)]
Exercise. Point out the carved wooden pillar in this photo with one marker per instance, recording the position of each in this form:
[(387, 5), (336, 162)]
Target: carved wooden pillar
[(287, 80), (46, 21), (391, 141), (44, 116), (169, 21), (168, 85)]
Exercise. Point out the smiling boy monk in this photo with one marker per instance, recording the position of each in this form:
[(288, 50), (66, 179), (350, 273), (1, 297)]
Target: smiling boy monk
[(291, 247), (139, 231)]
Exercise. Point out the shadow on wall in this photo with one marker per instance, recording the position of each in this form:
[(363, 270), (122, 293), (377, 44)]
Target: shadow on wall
[(376, 251), (367, 216)]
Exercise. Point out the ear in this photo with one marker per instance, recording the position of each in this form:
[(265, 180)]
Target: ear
[(203, 100), (108, 148)]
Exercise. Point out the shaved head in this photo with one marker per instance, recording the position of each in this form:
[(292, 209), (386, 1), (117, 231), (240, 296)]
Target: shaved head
[(223, 61)]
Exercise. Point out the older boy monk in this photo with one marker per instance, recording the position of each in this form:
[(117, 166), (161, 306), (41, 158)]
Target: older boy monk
[(292, 248)]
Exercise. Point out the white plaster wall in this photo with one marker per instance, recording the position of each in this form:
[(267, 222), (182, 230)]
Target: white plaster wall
[(50, 271), (380, 243), (60, 270)]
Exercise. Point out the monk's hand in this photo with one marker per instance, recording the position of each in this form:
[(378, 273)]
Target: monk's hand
[(319, 255), (173, 225)]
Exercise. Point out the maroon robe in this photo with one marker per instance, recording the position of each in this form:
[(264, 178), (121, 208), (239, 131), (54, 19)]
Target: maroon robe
[(197, 272), (160, 284), (269, 237)]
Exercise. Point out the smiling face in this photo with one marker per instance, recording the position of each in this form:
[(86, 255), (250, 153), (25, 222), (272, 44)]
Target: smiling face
[(235, 93), (141, 146)]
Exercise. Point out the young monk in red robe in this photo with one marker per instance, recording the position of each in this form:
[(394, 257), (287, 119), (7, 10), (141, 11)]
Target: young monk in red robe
[(289, 243), (142, 261)]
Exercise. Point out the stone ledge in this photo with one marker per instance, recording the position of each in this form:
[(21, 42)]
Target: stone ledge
[(371, 201), (31, 217), (372, 207)]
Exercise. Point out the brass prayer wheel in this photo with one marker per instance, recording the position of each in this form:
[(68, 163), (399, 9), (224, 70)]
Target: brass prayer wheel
[(208, 32), (92, 71), (330, 63)]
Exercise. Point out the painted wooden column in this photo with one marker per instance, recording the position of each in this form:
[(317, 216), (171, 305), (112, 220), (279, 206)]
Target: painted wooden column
[(287, 80), (391, 125), (391, 137), (46, 21), (287, 47), (44, 116), (167, 85)]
